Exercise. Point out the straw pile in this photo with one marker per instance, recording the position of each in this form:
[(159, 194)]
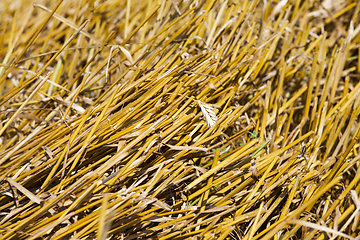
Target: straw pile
[(179, 119)]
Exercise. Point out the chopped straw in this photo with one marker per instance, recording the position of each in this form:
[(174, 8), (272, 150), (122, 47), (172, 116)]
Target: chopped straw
[(179, 119)]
